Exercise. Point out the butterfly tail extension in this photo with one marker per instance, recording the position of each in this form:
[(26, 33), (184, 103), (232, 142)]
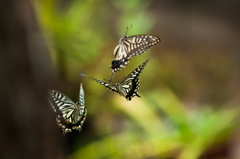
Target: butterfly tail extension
[(138, 95), (81, 95), (65, 131), (130, 98), (79, 128)]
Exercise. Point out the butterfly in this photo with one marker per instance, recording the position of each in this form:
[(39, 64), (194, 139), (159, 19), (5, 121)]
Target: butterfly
[(128, 87), (71, 116), (131, 46)]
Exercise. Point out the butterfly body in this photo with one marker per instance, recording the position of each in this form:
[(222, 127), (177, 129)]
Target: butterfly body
[(71, 116), (128, 87), (129, 47)]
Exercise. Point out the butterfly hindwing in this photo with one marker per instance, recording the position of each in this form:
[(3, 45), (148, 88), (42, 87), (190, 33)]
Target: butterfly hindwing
[(134, 89), (131, 83)]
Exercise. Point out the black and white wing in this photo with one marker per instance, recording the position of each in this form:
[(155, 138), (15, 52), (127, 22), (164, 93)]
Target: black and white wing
[(109, 86), (70, 116), (61, 103), (82, 114), (129, 47), (81, 96), (131, 83)]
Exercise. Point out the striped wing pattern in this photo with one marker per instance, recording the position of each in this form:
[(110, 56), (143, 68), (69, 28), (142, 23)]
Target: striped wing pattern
[(60, 102), (138, 44), (71, 116), (127, 87), (109, 86), (81, 95), (131, 83), (129, 47)]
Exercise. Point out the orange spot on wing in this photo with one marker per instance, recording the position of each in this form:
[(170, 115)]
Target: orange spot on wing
[(80, 118)]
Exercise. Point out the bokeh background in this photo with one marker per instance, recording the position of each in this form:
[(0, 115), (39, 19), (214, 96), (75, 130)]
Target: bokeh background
[(190, 97)]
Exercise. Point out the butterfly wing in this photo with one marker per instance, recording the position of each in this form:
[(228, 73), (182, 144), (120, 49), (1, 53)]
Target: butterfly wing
[(69, 116), (81, 95), (129, 47), (109, 86), (138, 44), (131, 83), (60, 102), (83, 109)]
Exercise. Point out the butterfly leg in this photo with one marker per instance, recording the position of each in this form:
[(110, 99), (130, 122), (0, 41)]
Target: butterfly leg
[(111, 76)]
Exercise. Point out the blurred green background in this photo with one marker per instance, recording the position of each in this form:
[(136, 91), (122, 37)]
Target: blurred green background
[(189, 103)]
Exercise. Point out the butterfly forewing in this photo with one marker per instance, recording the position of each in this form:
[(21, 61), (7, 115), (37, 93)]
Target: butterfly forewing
[(135, 73), (138, 44), (59, 101), (129, 47), (109, 86)]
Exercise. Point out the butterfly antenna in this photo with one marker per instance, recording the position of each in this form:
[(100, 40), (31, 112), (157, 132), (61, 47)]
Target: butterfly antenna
[(127, 30), (87, 96), (121, 79), (118, 80), (130, 27), (105, 80), (75, 98)]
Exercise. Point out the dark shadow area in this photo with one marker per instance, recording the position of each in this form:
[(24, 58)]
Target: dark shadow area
[(28, 128)]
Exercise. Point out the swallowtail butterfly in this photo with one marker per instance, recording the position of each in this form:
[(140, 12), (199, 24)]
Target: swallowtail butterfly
[(71, 116), (128, 87), (131, 46)]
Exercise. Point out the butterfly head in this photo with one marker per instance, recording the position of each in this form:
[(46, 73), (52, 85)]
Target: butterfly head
[(117, 84), (115, 65), (127, 31)]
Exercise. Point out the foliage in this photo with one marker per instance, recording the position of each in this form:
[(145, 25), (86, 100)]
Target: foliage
[(79, 35), (178, 128)]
